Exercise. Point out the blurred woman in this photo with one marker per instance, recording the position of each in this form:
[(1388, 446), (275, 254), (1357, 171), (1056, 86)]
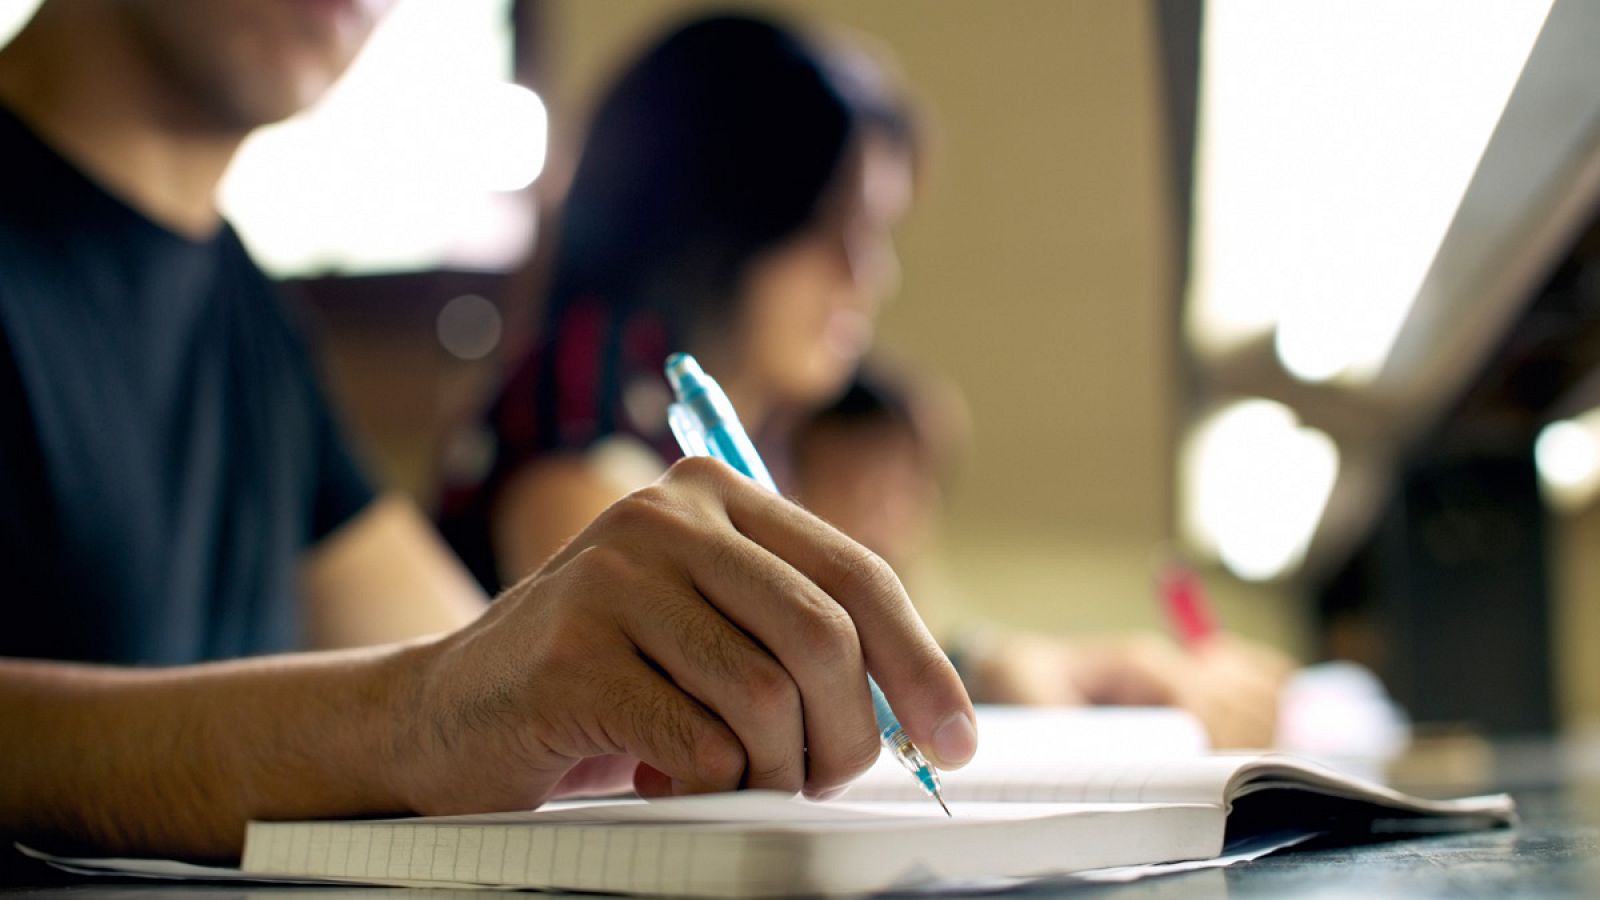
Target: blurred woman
[(735, 198)]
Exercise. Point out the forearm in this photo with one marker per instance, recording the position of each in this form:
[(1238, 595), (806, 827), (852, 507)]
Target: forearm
[(173, 762), (385, 576)]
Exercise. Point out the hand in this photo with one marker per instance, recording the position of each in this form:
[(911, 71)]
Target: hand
[(701, 635), (1230, 685)]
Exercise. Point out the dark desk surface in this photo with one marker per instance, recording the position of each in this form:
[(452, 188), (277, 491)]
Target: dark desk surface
[(1555, 852)]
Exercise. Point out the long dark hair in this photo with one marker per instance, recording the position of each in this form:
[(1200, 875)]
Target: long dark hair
[(719, 143)]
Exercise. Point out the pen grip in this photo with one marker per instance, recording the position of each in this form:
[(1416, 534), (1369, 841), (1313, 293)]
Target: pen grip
[(735, 449), (686, 430)]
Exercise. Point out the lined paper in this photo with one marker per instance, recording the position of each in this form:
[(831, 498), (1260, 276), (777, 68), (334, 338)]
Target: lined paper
[(1102, 813), (646, 859), (1200, 779)]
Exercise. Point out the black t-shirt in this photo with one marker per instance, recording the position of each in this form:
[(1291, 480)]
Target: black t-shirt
[(166, 455)]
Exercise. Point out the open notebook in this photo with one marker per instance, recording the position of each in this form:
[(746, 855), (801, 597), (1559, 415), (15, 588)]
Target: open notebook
[(1085, 816)]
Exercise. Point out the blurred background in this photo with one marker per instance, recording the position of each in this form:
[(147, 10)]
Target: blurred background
[(1308, 294)]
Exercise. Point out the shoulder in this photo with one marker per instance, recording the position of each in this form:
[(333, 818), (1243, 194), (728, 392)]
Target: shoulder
[(584, 482), (624, 462), (541, 506), (545, 502), (268, 324), (551, 484)]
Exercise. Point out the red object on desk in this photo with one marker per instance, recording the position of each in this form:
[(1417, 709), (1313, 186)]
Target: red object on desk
[(1183, 596)]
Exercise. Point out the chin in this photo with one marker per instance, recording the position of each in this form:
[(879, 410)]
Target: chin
[(256, 108), (827, 383)]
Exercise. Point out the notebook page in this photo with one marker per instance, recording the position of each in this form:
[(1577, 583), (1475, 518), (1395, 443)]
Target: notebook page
[(740, 806), (636, 858), (1201, 779), (830, 847), (1021, 749), (1011, 734), (617, 845), (499, 848)]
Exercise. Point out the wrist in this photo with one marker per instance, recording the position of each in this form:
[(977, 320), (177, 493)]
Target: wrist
[(399, 733)]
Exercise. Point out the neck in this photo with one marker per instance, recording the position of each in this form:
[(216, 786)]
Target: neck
[(746, 400), (84, 86)]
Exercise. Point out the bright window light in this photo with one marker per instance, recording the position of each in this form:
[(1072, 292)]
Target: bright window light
[(1335, 142), (1255, 483), (409, 160), (1567, 454), (13, 15)]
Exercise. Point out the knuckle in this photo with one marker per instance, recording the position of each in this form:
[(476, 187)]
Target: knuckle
[(827, 634), (778, 775), (849, 756), (599, 564), (874, 581), (656, 497), (651, 507), (770, 689), (718, 761), (698, 470), (933, 668), (859, 753)]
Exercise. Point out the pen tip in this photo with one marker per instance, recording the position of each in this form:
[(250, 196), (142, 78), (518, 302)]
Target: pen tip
[(942, 806)]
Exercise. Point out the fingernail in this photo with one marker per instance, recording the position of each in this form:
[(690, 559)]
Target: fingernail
[(954, 741)]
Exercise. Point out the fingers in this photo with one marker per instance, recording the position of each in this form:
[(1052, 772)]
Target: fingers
[(721, 667), (1245, 680), (816, 643), (755, 641), (922, 686), (648, 717), (1143, 670), (726, 640), (1234, 700), (1028, 670), (596, 775)]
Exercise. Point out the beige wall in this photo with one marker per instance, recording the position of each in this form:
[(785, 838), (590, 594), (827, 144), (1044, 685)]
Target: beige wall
[(1576, 622), (1037, 276)]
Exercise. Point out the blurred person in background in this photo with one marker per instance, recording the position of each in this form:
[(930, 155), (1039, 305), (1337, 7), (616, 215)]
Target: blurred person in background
[(876, 463), (178, 512), (736, 198)]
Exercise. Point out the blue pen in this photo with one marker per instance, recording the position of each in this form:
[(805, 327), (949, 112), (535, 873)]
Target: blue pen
[(704, 423)]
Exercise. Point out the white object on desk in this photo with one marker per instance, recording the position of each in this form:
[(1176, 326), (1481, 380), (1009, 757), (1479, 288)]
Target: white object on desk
[(1339, 714)]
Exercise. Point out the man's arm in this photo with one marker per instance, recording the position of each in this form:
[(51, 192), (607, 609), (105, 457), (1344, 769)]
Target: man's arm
[(703, 632), (173, 762), (385, 576)]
